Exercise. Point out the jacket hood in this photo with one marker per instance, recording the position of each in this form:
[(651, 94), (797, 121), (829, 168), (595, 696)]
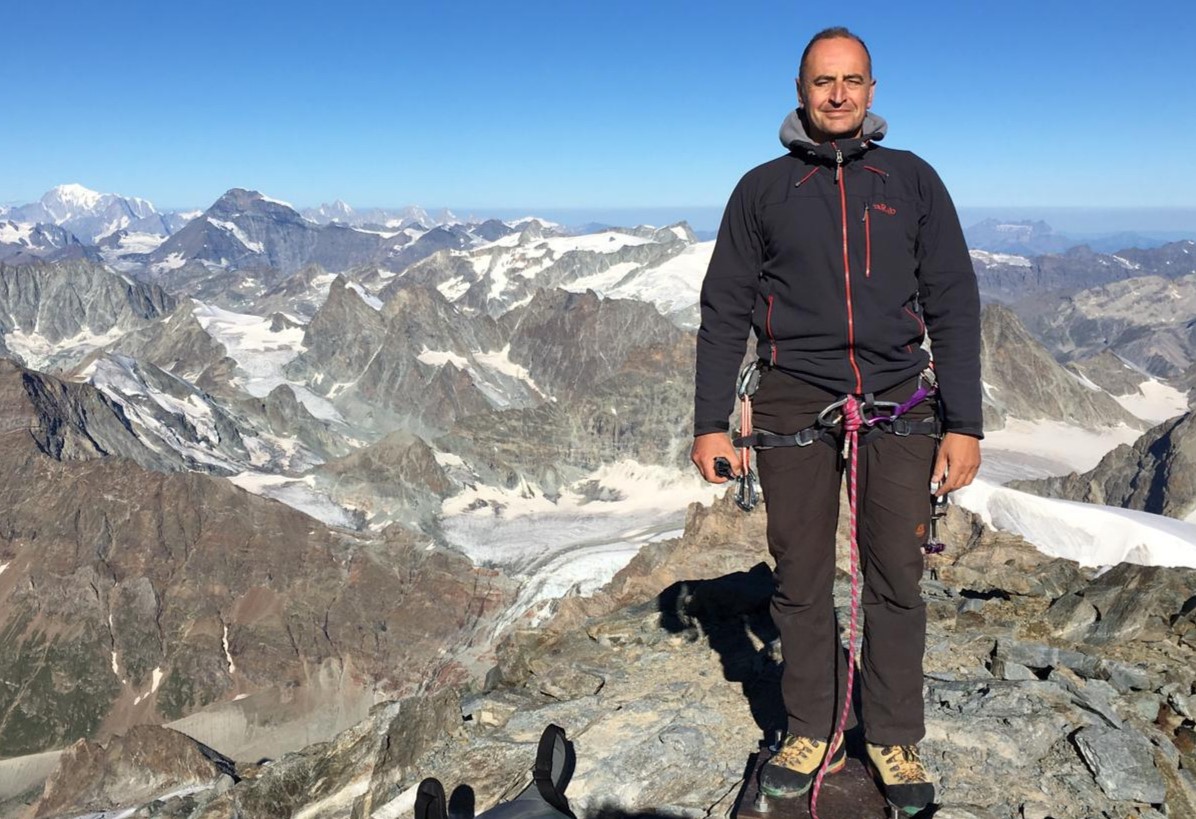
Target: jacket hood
[(795, 138)]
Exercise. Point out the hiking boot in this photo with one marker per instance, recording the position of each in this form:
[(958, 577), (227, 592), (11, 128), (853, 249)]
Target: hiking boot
[(903, 777), (792, 769)]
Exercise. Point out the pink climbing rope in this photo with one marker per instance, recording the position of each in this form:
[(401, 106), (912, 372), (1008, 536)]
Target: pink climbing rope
[(852, 421)]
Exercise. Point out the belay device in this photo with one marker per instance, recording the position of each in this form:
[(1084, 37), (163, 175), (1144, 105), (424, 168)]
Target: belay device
[(543, 798)]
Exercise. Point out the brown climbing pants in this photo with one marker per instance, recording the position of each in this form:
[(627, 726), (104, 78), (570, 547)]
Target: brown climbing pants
[(801, 492)]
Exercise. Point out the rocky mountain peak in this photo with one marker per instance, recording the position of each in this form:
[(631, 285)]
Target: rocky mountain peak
[(1022, 380), (239, 201), (69, 421)]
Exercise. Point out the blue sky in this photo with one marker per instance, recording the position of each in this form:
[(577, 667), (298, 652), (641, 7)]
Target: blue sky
[(540, 106)]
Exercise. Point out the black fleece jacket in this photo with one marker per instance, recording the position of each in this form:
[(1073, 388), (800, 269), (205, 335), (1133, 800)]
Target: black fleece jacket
[(843, 256)]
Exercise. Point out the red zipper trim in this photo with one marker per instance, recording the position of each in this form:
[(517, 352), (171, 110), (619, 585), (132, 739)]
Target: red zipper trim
[(875, 170), (917, 318), (921, 324), (867, 244), (807, 176), (859, 381), (772, 342)]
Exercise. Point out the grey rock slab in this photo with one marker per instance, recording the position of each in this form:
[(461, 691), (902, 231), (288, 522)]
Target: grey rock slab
[(1093, 695), (1122, 764), (1144, 705), (1039, 656), (1006, 670), (949, 811), (1125, 677), (1071, 616)]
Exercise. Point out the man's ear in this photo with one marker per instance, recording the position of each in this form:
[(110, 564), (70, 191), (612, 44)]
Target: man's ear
[(871, 93), (800, 101)]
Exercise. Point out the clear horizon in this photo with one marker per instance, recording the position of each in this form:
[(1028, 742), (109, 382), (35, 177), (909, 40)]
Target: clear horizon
[(623, 105), (1080, 222)]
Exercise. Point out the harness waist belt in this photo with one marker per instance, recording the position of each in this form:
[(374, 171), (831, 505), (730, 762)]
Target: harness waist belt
[(763, 439)]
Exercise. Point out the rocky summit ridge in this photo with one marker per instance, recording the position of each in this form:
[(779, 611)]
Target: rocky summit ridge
[(1049, 692), (1022, 380)]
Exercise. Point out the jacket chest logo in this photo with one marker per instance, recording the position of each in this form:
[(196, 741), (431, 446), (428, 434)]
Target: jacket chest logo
[(888, 210)]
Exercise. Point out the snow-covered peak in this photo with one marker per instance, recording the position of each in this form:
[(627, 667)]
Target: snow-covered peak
[(89, 214), (68, 200)]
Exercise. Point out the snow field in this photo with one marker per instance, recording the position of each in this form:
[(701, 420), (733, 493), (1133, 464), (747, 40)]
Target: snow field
[(1089, 534), (575, 545), (1156, 401), (261, 354)]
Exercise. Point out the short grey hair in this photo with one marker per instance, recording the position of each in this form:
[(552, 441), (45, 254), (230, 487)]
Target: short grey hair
[(832, 33)]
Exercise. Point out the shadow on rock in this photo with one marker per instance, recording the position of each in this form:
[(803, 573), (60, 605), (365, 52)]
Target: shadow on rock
[(731, 613)]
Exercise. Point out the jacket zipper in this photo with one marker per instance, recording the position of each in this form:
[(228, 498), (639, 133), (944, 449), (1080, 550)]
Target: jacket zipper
[(839, 177), (867, 244), (772, 342)]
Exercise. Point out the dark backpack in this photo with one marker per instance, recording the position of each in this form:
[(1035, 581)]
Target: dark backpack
[(544, 798)]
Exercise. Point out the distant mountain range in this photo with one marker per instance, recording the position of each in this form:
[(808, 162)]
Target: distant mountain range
[(1031, 238)]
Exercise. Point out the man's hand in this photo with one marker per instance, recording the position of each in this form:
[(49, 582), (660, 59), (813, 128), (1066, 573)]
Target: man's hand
[(710, 446), (957, 462)]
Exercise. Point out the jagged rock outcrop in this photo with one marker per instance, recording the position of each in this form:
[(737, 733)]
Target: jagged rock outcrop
[(1022, 380), (141, 764), (287, 417), (301, 294), (621, 380), (396, 479), (69, 422), (22, 244), (49, 302), (339, 341), (1157, 474), (601, 333), (417, 364), (1050, 278), (170, 416)]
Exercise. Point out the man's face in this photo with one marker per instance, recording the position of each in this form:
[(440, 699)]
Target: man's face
[(835, 88)]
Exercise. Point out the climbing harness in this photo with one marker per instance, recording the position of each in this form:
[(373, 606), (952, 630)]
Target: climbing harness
[(859, 420)]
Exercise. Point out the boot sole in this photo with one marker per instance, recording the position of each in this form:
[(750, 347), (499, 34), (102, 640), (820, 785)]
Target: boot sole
[(834, 767)]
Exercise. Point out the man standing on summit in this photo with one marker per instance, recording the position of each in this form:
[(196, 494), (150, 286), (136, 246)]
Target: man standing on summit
[(843, 256)]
